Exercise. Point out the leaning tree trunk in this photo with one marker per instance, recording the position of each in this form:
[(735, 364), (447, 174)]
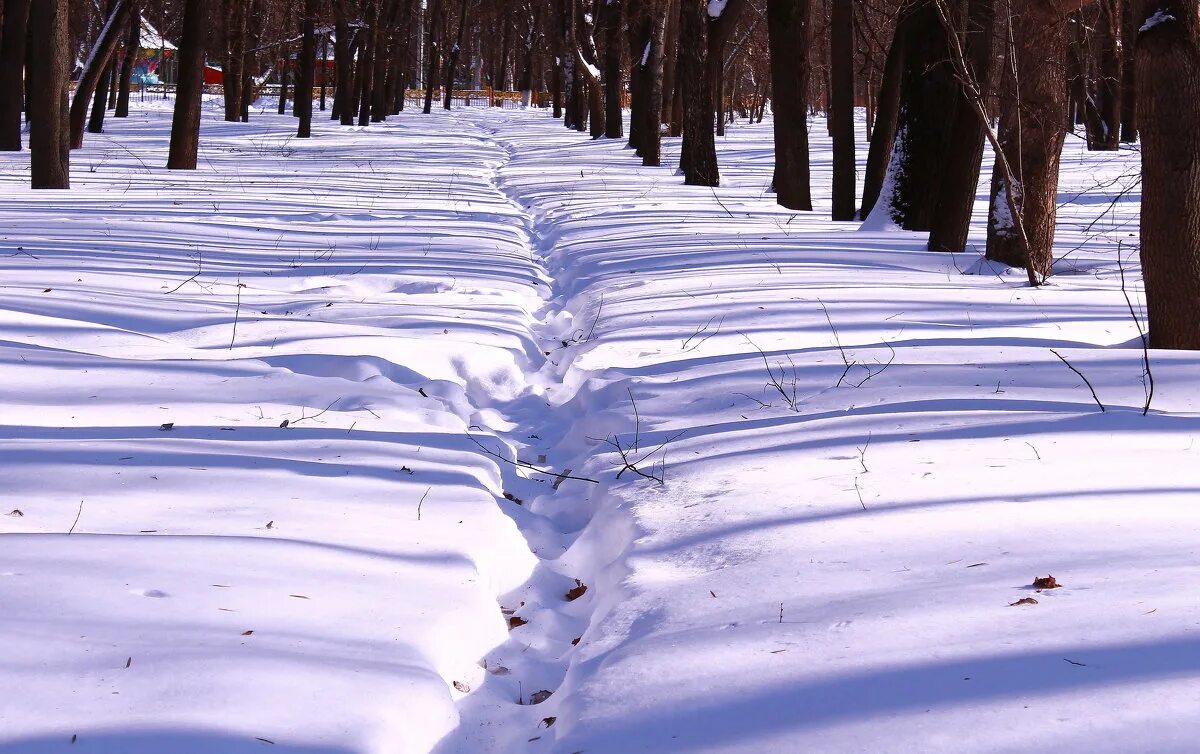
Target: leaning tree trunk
[(964, 150), (698, 157), (883, 133), (49, 73), (93, 69), (1032, 131), (95, 122), (787, 27), (841, 109), (133, 44), (185, 125), (1168, 109), (305, 77), (12, 72), (927, 84)]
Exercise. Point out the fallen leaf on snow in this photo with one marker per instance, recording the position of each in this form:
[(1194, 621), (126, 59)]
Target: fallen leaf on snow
[(1023, 601), (577, 591), (516, 621), (462, 687), (1046, 582)]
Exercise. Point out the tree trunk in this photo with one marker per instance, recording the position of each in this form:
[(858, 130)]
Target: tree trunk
[(283, 85), (887, 111), (304, 77), (651, 137), (670, 59), (1168, 109), (49, 73), (1110, 76), (964, 151), (12, 72), (841, 109), (613, 127), (133, 44), (787, 27), (231, 73), (1032, 134), (1129, 31), (927, 86), (452, 58), (432, 52), (366, 63), (93, 69), (185, 125), (698, 157), (95, 122)]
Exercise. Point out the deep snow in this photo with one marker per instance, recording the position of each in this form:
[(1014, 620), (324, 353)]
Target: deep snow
[(422, 298)]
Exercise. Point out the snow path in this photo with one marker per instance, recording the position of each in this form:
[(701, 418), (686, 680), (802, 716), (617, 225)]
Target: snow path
[(424, 295)]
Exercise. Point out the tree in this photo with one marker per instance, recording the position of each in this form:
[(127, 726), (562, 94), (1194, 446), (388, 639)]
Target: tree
[(133, 43), (234, 17), (1168, 109), (927, 85), (1033, 106), (841, 108), (951, 221), (698, 157), (887, 110), (49, 73), (305, 79), (787, 29), (185, 125), (96, 66), (613, 127), (12, 69)]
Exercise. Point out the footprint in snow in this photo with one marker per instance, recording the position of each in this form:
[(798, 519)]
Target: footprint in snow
[(155, 593)]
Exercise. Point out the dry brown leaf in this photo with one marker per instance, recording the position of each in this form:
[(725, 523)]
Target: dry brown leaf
[(1023, 601), (577, 591), (1046, 582), (247, 633), (538, 697), (462, 687), (516, 621)]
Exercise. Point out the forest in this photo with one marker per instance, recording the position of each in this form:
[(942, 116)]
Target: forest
[(470, 376)]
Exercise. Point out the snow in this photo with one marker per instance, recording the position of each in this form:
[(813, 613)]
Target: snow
[(716, 8), (1160, 16), (426, 297)]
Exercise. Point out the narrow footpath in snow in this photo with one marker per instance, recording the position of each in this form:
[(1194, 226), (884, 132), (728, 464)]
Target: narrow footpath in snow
[(465, 433)]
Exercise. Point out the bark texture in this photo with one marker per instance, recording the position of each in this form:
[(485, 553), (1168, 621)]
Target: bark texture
[(787, 29), (13, 34), (49, 73), (841, 109), (955, 201), (1032, 130), (185, 125), (1168, 111)]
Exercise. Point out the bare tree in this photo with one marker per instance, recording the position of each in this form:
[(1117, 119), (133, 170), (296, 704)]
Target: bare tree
[(12, 72), (185, 125), (49, 73), (787, 31), (1168, 109)]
